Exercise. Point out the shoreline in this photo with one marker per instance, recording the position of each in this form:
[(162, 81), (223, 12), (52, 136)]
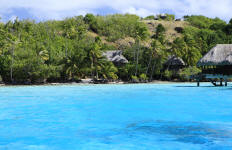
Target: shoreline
[(109, 83)]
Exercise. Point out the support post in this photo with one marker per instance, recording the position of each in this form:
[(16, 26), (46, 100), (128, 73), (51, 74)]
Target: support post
[(225, 81), (220, 81), (198, 82)]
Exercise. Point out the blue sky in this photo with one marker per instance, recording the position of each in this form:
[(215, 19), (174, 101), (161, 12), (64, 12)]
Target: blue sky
[(41, 10)]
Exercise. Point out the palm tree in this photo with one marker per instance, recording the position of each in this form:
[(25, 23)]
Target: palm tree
[(157, 55), (109, 71), (71, 68), (96, 57), (74, 65), (141, 34)]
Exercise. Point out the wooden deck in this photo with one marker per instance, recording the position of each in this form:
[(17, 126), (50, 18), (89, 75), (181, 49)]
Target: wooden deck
[(215, 79)]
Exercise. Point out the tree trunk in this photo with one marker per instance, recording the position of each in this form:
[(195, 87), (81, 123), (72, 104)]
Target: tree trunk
[(66, 48), (137, 60), (152, 71), (149, 63), (96, 74), (135, 54), (11, 67), (92, 69)]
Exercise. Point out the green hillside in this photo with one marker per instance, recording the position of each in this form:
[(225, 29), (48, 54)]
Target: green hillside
[(71, 49)]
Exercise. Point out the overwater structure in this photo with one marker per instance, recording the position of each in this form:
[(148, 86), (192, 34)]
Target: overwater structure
[(216, 65)]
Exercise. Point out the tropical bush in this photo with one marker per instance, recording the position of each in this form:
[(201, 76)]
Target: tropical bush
[(186, 73), (143, 77), (134, 79), (168, 74)]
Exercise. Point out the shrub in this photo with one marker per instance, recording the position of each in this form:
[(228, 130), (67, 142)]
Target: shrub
[(168, 74), (1, 79), (160, 30), (179, 29), (186, 73), (170, 17), (203, 22), (143, 77), (92, 21), (134, 79), (151, 17), (166, 17)]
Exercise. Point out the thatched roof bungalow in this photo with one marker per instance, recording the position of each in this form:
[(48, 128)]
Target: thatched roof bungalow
[(218, 60), (174, 62), (219, 55), (116, 57), (216, 64)]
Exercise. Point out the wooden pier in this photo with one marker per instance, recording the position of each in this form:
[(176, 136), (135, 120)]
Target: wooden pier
[(216, 80)]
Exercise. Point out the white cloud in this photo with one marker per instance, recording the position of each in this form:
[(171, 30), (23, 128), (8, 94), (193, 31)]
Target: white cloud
[(140, 11), (13, 18), (58, 9)]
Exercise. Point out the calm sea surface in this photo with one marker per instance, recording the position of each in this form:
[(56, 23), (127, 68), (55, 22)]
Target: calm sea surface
[(116, 117)]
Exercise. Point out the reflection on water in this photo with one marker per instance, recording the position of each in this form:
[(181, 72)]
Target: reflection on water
[(186, 132)]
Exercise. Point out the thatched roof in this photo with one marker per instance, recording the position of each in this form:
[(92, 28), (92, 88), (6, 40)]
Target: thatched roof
[(115, 56), (174, 61), (221, 54)]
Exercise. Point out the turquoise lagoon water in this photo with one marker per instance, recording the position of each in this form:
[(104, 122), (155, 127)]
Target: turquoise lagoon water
[(116, 117)]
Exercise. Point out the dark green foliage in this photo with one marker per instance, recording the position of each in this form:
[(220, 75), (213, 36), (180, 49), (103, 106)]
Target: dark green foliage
[(170, 17), (151, 17), (198, 39), (91, 20), (187, 49), (228, 28), (203, 22), (187, 72), (53, 51), (179, 29), (160, 30), (57, 51), (166, 17)]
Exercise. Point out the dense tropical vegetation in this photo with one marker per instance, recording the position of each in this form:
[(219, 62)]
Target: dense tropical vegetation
[(71, 49)]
